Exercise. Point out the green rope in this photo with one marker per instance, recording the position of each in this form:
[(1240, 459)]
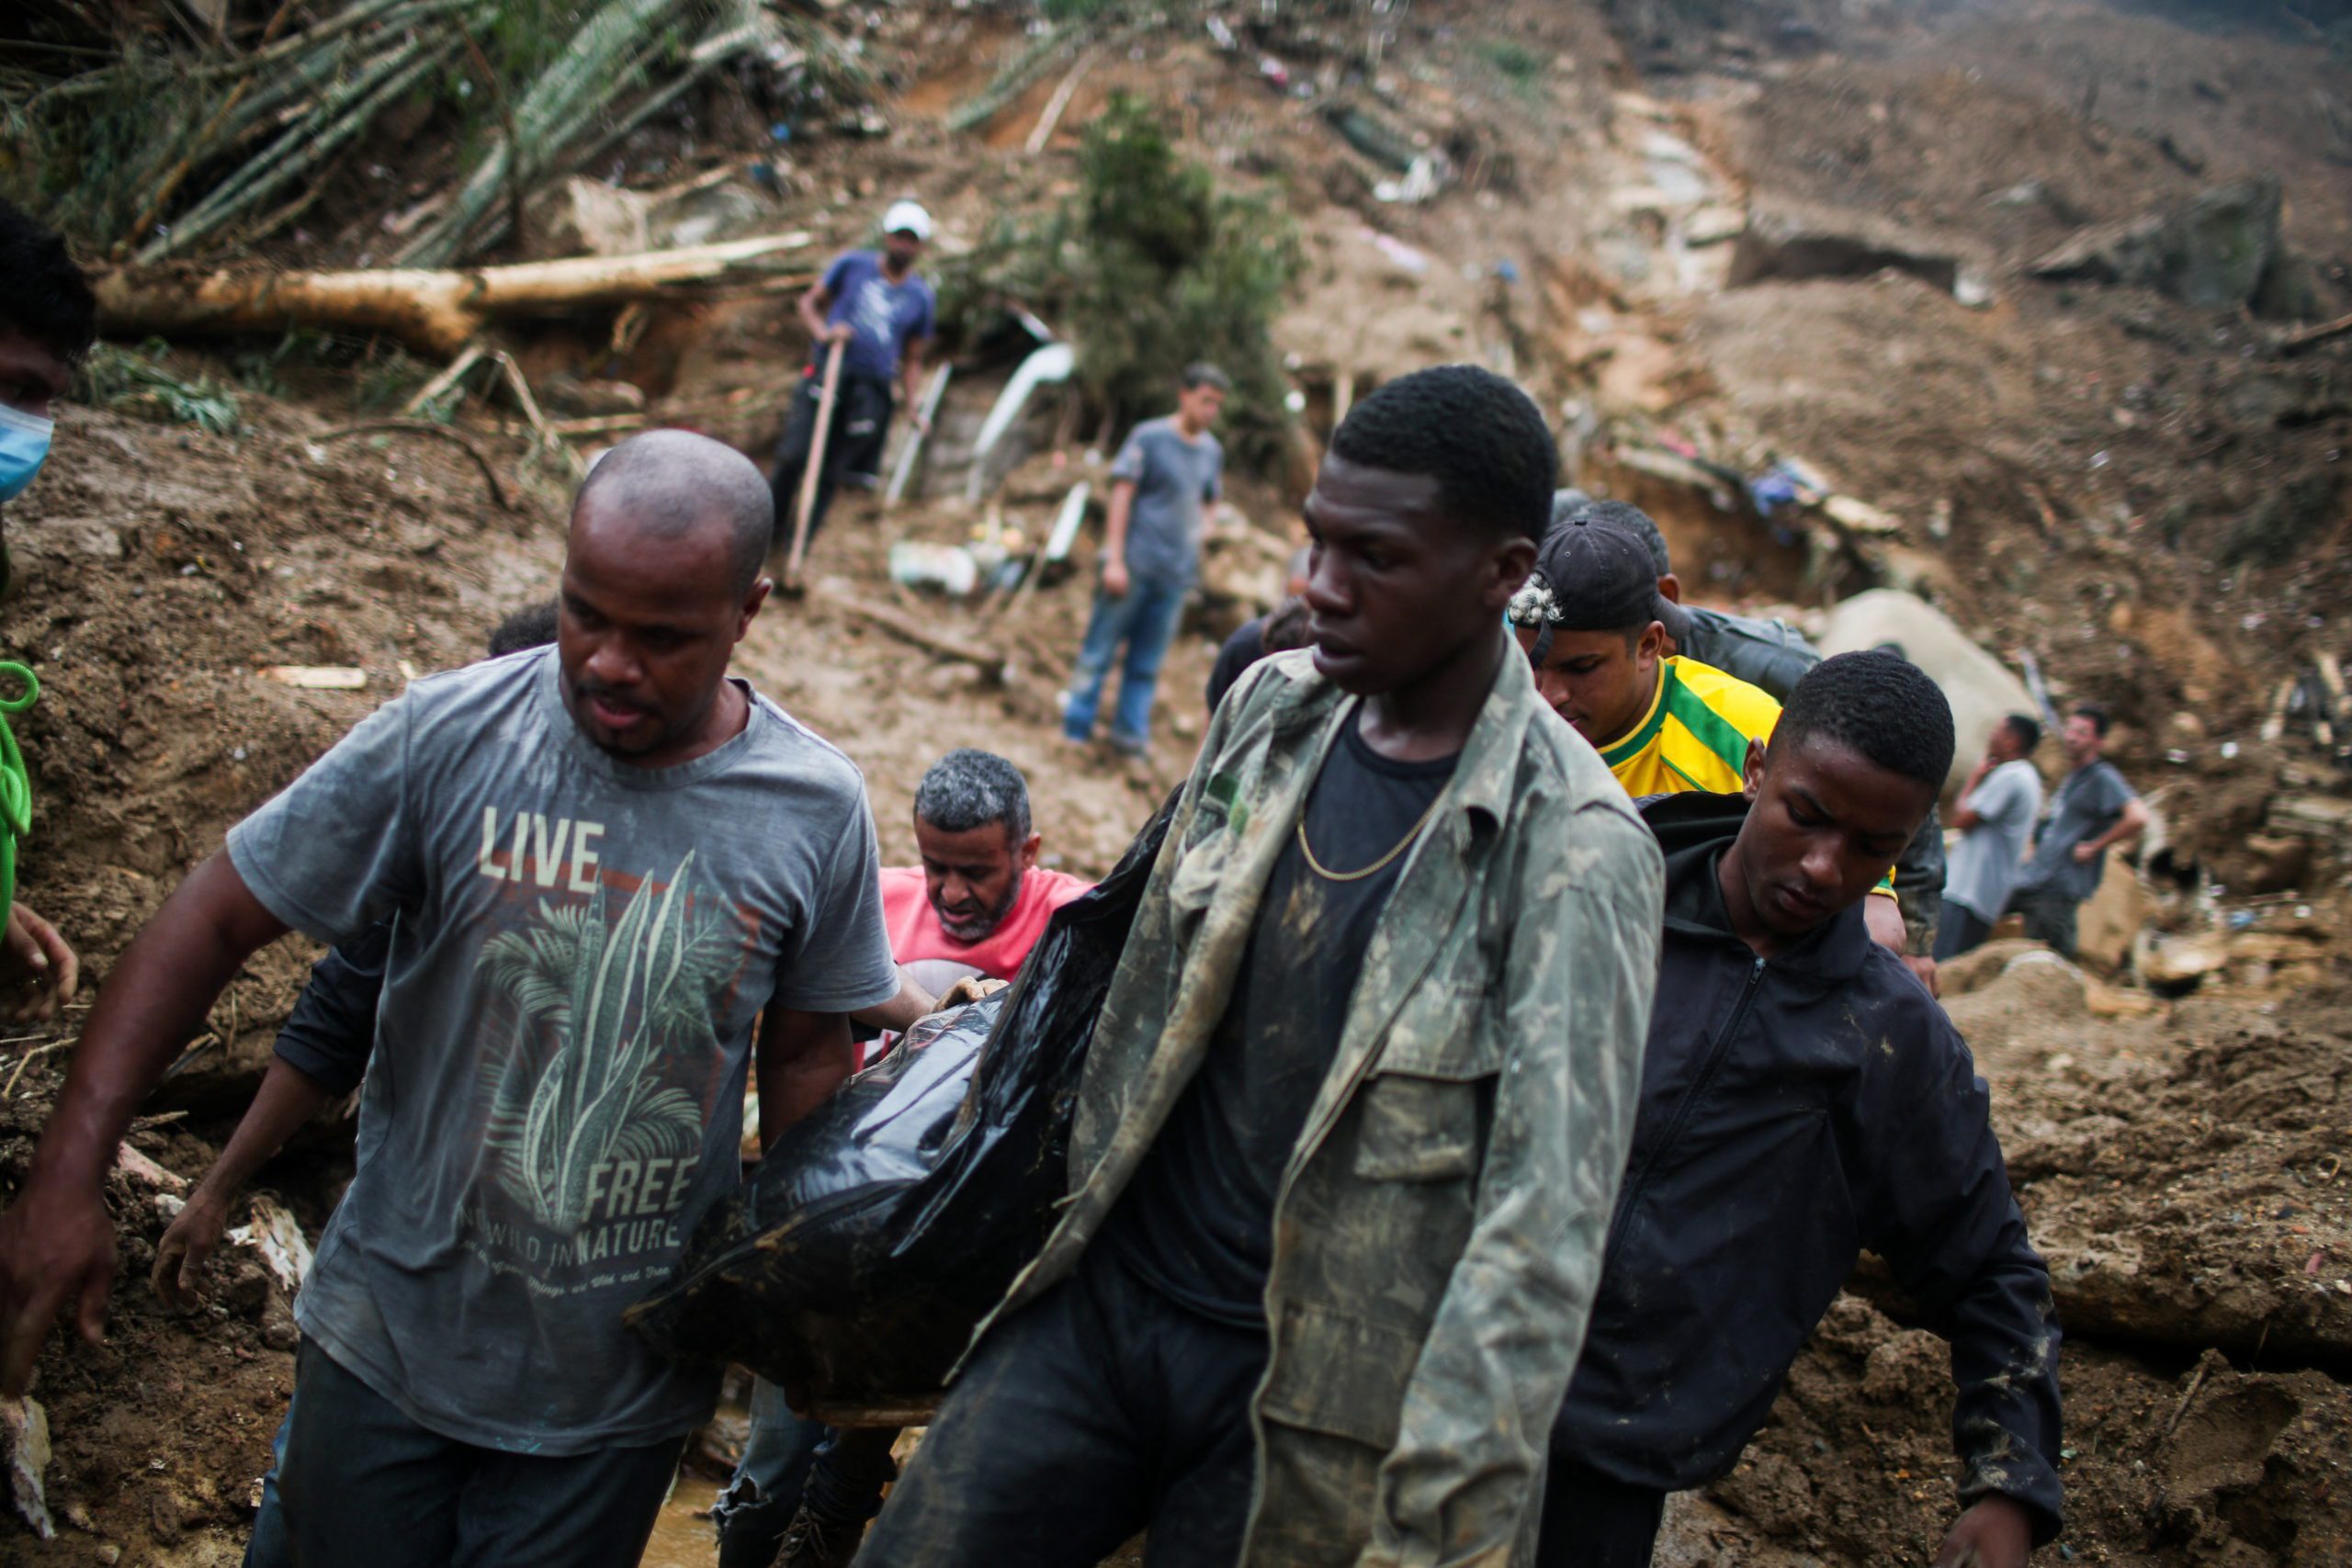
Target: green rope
[(15, 788)]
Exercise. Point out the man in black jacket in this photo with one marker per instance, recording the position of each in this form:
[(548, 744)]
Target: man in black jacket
[(1803, 1099), (1774, 655)]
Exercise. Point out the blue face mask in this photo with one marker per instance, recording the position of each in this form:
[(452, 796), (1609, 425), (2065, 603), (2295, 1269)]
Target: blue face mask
[(24, 443)]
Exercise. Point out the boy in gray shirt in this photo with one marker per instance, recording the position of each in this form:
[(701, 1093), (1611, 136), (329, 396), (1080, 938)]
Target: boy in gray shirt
[(1996, 809), (1164, 473), (607, 862)]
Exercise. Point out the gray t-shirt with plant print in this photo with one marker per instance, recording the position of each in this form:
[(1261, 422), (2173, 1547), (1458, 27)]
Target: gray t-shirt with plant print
[(581, 951)]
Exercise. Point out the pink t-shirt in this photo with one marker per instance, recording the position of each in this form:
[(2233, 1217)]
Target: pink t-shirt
[(916, 934)]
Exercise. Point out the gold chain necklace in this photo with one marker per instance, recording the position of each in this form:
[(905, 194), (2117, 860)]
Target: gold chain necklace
[(1411, 833)]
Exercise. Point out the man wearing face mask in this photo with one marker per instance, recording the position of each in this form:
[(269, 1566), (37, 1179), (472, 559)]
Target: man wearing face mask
[(47, 319)]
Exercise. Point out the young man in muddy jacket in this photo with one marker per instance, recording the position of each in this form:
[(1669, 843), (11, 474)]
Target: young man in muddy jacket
[(1354, 1115), (1803, 1099)]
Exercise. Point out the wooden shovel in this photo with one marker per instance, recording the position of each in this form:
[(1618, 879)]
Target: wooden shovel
[(814, 468)]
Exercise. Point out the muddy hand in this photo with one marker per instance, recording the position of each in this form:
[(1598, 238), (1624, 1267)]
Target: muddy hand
[(970, 988), (34, 955), (55, 1247), (180, 1257), (1994, 1533)]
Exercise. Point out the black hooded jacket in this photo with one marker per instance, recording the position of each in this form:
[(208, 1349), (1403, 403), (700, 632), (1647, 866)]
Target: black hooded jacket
[(1792, 1112)]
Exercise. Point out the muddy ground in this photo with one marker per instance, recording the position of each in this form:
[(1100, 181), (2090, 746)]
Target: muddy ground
[(2141, 493)]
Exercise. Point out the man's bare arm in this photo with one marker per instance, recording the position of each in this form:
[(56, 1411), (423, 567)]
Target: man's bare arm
[(288, 1098), (1115, 539), (901, 1012), (56, 1240), (803, 1058), (813, 305)]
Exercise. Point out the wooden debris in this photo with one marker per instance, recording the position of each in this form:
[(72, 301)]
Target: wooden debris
[(316, 677), (468, 357), (530, 407), (1057, 103), (902, 627), (2311, 337), (438, 312), (498, 490)]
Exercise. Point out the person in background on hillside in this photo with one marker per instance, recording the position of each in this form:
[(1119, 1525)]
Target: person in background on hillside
[(321, 1055), (1596, 629), (1996, 815), (48, 321), (1803, 1099), (1351, 1123), (1169, 468), (1774, 656), (2092, 812), (1279, 630), (884, 312), (543, 1128), (975, 905)]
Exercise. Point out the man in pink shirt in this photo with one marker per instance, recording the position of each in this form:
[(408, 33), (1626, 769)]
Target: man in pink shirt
[(975, 905), (977, 901)]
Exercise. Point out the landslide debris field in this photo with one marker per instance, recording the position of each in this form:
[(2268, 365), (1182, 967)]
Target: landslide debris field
[(2032, 289)]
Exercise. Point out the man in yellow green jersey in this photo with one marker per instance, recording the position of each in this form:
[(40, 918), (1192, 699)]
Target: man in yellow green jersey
[(1592, 621)]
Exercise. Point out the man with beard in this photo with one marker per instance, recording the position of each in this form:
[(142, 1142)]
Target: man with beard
[(975, 906), (617, 876)]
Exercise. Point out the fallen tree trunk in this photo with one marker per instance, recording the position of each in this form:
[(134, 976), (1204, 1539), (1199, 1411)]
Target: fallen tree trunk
[(434, 311)]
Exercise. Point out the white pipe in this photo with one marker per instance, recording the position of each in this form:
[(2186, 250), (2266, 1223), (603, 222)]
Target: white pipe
[(931, 396), (1052, 363)]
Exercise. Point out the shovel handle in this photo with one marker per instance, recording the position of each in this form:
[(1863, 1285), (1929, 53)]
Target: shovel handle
[(813, 469)]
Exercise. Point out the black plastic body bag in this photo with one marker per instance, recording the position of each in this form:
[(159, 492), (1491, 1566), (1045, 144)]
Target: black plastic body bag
[(853, 1265)]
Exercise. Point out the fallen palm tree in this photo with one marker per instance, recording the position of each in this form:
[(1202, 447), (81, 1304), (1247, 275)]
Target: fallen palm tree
[(434, 312)]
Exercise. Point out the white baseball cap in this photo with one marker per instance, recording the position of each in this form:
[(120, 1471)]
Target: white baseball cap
[(906, 217)]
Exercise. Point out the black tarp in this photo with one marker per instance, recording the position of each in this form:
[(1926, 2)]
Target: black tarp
[(853, 1265)]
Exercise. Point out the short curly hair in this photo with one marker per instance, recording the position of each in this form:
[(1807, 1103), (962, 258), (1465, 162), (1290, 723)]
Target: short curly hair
[(969, 788), (42, 294), (1479, 435), (1879, 703)]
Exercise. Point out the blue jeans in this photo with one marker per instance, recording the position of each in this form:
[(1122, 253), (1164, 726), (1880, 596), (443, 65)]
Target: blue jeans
[(267, 1546), (840, 1472), (1144, 619), (366, 1487)]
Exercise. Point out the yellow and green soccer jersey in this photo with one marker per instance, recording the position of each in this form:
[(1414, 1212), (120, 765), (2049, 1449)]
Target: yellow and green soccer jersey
[(1695, 734)]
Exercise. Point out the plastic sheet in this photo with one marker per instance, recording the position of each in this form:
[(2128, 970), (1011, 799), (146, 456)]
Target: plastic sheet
[(853, 1265)]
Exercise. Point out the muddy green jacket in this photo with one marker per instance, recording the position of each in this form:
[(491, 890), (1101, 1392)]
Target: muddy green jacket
[(1438, 1231)]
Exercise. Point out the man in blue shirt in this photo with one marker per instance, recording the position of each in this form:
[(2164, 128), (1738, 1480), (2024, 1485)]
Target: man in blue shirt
[(875, 304), (1164, 473)]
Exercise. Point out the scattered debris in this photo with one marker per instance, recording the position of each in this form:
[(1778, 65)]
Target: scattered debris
[(1785, 245), (141, 1169), (278, 1236), (24, 1437), (316, 677), (950, 569), (2220, 249)]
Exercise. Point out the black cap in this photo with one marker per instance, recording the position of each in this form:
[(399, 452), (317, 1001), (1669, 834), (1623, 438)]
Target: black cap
[(1602, 579)]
